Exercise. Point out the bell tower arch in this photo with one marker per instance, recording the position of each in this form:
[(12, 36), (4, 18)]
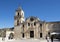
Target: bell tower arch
[(19, 16)]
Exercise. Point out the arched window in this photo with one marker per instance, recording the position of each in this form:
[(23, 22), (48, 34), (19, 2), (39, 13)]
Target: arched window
[(28, 24), (34, 23), (23, 35), (23, 25), (41, 27), (18, 13), (40, 35)]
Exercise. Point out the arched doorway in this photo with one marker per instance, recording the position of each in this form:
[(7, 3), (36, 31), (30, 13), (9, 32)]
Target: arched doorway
[(11, 36)]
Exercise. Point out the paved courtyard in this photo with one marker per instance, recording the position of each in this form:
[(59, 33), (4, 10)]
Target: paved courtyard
[(25, 40), (28, 40)]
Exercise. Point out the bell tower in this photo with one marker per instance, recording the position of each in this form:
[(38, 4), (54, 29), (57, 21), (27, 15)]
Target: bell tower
[(19, 16)]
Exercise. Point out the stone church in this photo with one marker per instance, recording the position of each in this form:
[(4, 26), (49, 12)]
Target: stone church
[(29, 28), (32, 27)]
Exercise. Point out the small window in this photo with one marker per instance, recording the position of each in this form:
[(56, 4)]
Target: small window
[(41, 25), (23, 25), (18, 13), (34, 23), (28, 24), (23, 35), (40, 35), (17, 22)]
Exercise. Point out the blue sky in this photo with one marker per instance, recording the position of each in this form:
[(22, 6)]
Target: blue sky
[(48, 10)]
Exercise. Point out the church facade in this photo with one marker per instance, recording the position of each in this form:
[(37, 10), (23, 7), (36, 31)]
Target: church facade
[(32, 27)]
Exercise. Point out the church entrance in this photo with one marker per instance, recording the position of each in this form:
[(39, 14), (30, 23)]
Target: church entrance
[(31, 34)]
